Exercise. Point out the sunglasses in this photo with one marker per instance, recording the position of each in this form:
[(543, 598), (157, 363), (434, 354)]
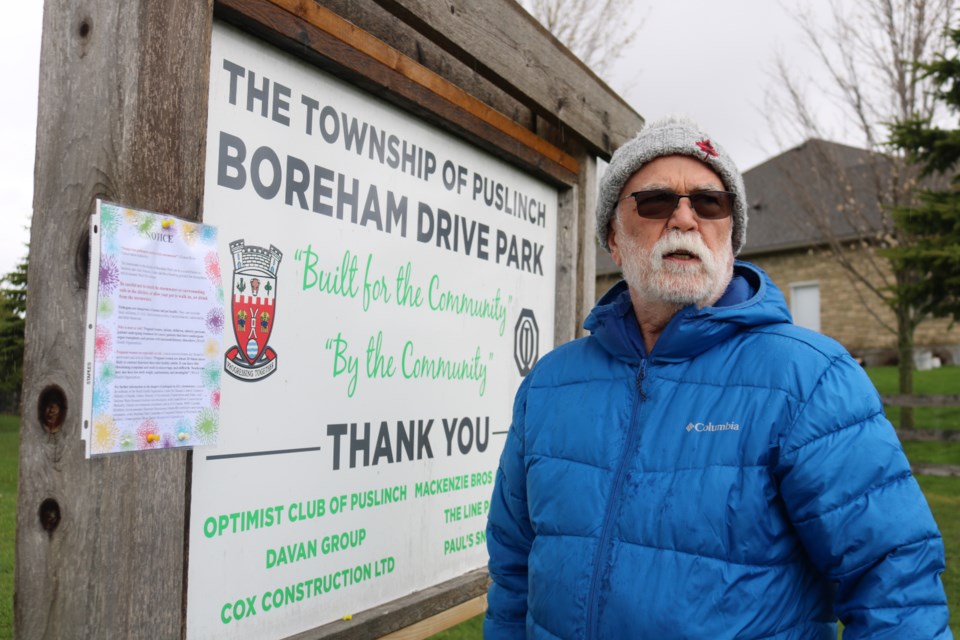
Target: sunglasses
[(659, 204)]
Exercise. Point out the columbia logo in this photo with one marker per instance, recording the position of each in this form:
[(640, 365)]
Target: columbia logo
[(700, 427)]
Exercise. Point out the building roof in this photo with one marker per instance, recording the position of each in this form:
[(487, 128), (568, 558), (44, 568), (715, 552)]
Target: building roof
[(814, 191), (605, 264)]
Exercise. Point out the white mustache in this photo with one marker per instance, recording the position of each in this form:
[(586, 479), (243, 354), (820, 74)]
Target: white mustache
[(690, 242)]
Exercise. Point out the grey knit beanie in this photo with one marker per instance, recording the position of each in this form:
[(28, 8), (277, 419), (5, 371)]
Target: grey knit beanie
[(668, 137)]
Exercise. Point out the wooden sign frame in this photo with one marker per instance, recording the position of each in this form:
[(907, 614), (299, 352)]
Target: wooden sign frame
[(102, 545)]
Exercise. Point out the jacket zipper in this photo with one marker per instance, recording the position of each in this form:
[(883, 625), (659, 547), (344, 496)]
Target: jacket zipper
[(593, 613)]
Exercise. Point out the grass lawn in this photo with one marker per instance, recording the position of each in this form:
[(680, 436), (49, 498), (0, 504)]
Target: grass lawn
[(942, 381), (933, 452), (943, 494), (9, 461)]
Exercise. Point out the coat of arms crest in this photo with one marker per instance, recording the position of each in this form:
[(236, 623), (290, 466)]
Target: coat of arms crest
[(253, 310)]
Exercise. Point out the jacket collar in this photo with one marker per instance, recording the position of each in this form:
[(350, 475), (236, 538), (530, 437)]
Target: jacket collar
[(691, 331)]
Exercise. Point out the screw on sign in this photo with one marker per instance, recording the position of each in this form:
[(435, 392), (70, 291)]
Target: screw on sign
[(526, 340)]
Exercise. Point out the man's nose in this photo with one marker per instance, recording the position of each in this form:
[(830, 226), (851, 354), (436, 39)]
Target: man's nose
[(684, 217)]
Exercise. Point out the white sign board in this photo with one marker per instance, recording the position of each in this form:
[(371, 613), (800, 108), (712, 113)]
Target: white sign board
[(386, 286)]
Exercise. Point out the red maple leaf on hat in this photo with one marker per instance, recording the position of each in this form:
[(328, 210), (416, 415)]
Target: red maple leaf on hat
[(707, 147)]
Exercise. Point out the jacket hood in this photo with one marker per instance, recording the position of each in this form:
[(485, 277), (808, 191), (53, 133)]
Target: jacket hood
[(692, 330)]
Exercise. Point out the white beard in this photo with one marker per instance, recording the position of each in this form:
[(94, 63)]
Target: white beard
[(700, 282)]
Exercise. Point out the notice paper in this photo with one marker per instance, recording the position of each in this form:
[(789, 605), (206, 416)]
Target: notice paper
[(154, 332)]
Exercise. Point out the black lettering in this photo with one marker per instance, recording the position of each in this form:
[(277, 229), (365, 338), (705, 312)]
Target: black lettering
[(378, 142), (483, 241), (393, 148), (430, 165), (336, 430), (443, 228), (353, 137), (312, 105), (371, 209), (279, 104), (232, 154), (345, 197), (477, 185), (537, 264), (235, 71), (409, 160), (423, 439), (255, 93), (404, 441), (321, 176), (448, 430), (396, 213), (359, 444), (329, 115), (383, 449), (298, 179), (466, 426), (468, 233), (268, 155), (483, 437), (424, 223)]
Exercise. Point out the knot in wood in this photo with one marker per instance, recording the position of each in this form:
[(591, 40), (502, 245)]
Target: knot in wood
[(49, 515)]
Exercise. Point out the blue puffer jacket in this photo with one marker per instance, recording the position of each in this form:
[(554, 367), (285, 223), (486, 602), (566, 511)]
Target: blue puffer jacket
[(740, 482)]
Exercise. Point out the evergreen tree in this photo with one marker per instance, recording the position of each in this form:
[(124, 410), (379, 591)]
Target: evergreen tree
[(868, 51), (13, 308), (932, 224)]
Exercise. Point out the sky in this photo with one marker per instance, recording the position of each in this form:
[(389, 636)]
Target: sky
[(20, 69), (706, 59), (714, 62)]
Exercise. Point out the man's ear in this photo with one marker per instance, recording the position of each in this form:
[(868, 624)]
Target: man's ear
[(612, 243)]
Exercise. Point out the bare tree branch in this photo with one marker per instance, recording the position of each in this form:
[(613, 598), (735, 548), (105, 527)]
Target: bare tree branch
[(868, 51), (587, 28)]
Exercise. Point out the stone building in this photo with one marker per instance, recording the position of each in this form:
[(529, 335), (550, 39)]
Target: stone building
[(800, 201)]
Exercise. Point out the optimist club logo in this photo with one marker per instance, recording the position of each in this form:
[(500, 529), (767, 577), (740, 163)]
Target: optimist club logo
[(254, 304), (526, 340)]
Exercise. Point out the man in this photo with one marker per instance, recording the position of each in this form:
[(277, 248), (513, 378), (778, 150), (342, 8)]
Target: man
[(699, 467)]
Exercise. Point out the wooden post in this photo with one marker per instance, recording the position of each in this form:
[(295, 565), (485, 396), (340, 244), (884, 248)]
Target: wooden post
[(576, 251), (587, 251), (568, 241), (506, 45), (122, 116)]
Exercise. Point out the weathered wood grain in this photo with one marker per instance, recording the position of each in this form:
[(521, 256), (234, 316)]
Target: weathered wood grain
[(576, 251), (405, 612), (568, 243), (587, 253), (122, 115), (928, 435), (941, 470), (511, 49), (453, 616), (323, 37), (949, 400), (374, 19)]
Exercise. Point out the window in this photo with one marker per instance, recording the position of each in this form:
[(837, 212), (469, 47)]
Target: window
[(805, 304)]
